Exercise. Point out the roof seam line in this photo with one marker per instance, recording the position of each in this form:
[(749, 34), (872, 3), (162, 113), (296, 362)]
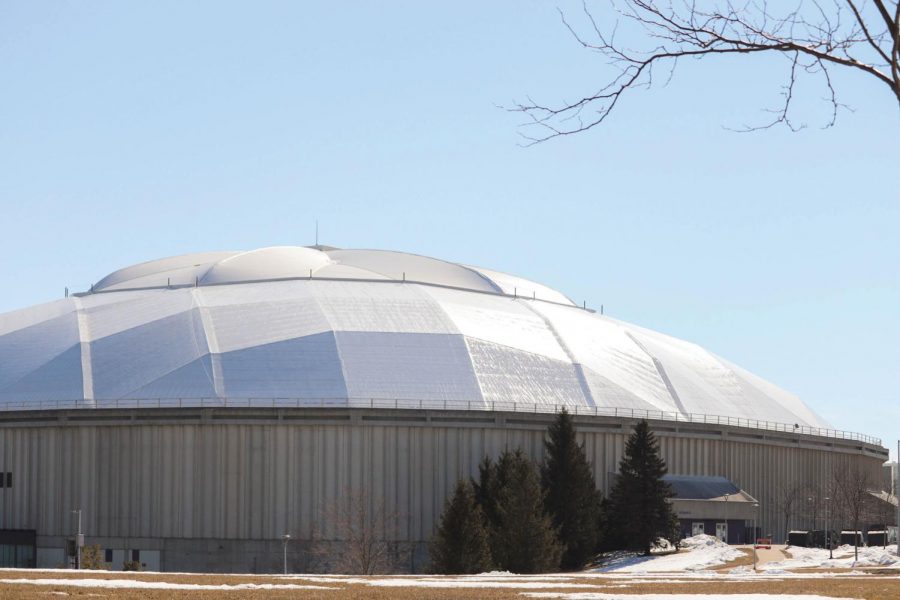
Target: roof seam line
[(576, 365), (84, 338), (661, 370)]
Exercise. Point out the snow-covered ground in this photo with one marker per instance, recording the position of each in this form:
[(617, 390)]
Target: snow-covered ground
[(698, 553), (695, 562), (817, 558)]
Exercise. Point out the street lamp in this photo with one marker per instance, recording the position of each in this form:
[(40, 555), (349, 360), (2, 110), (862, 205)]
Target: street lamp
[(753, 540), (815, 518), (726, 518), (79, 540), (285, 538)]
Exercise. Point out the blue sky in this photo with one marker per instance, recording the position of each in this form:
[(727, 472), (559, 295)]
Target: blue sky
[(134, 131)]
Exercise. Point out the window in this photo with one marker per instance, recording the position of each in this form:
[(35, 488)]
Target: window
[(5, 480)]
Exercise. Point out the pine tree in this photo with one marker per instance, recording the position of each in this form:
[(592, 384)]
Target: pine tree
[(639, 502), (572, 499), (523, 539), (460, 545), (486, 491)]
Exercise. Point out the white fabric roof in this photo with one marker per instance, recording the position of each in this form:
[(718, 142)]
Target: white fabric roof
[(255, 325)]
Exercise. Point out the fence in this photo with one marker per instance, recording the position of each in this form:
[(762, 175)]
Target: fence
[(476, 405)]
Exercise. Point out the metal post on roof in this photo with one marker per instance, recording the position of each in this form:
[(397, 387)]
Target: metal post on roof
[(601, 309), (67, 292)]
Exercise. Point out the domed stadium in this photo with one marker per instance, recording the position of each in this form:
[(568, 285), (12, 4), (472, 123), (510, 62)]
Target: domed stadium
[(197, 408)]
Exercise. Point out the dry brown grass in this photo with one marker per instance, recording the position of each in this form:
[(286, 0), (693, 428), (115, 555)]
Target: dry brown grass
[(871, 588)]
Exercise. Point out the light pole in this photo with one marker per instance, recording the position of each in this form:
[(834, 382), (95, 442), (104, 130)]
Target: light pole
[(753, 537), (814, 504), (809, 501), (79, 540), (828, 528), (285, 538), (726, 518)]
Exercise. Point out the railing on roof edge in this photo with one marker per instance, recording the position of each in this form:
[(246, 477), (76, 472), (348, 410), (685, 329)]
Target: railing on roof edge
[(635, 413)]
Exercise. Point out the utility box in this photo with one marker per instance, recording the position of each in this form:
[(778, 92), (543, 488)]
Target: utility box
[(798, 538), (852, 538), (876, 538)]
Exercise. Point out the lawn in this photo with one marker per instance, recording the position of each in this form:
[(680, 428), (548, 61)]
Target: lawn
[(578, 586)]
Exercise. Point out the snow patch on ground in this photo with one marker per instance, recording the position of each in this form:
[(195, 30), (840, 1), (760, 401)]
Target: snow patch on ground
[(699, 553), (462, 581), (161, 585), (817, 558)]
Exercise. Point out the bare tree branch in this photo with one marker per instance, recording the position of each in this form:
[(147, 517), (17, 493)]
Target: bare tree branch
[(813, 35), (364, 535)]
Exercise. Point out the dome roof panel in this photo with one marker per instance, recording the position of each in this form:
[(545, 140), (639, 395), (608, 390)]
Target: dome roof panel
[(412, 267), (518, 286), (277, 262), (254, 324), (155, 270)]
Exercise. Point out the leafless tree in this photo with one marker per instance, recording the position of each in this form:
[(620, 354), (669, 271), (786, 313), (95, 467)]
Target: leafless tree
[(815, 36), (787, 499), (851, 486), (358, 535), (813, 500)]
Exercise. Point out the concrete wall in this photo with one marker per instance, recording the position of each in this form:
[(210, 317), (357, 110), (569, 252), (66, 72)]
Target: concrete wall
[(215, 489)]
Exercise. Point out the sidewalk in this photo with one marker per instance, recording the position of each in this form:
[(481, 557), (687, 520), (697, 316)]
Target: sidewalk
[(763, 555)]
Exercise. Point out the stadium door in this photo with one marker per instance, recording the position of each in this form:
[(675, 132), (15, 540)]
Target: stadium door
[(722, 531)]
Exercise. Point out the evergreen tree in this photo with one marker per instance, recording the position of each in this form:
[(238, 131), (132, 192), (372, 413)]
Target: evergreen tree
[(460, 545), (571, 496), (609, 535), (486, 490), (523, 539), (640, 508)]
